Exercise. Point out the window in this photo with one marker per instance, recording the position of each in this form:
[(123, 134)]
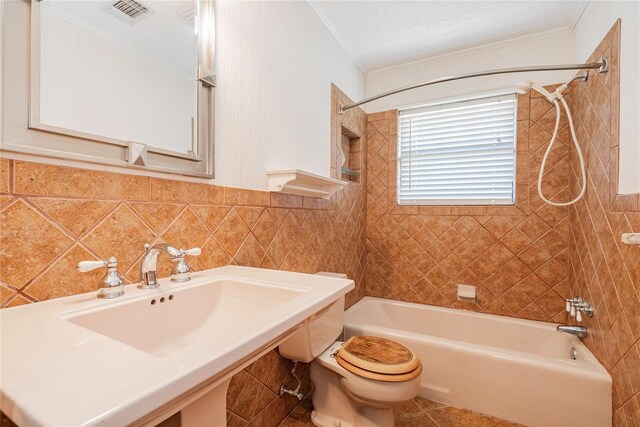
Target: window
[(458, 153)]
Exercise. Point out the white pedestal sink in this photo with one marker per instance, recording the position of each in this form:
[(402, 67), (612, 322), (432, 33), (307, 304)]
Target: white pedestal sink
[(140, 358)]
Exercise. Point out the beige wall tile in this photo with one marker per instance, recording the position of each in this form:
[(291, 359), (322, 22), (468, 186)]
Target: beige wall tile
[(123, 235), (164, 190), (211, 215), (280, 200), (460, 250), (77, 216), (157, 215), (5, 294), (5, 176), (231, 232), (18, 300), (595, 226), (5, 199), (57, 181), (242, 197), (29, 243), (187, 231), (63, 279)]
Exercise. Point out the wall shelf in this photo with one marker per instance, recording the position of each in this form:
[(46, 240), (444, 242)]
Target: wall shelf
[(301, 183)]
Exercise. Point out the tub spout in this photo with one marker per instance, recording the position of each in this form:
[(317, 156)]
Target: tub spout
[(578, 331)]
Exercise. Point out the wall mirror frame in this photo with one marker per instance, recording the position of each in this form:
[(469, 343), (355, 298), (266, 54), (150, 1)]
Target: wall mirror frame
[(23, 132)]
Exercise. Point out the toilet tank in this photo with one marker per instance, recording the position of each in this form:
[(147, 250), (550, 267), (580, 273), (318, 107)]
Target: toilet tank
[(308, 342)]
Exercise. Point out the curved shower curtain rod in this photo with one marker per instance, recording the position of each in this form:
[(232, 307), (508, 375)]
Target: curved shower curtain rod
[(602, 66)]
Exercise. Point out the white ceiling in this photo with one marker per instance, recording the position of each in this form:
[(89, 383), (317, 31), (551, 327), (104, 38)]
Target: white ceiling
[(380, 34)]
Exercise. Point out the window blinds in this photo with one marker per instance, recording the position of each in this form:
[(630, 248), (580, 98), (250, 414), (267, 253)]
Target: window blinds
[(458, 153)]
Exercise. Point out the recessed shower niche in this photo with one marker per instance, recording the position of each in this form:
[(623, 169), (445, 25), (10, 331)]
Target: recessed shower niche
[(350, 155)]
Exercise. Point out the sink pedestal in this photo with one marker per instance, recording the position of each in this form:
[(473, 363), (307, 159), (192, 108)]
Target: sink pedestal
[(175, 348), (208, 410)]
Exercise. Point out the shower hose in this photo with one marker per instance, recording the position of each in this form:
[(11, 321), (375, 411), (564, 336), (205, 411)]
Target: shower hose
[(553, 98)]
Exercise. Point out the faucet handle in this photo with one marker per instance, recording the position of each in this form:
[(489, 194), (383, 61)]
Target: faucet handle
[(182, 271), (84, 266), (192, 251), (112, 284)]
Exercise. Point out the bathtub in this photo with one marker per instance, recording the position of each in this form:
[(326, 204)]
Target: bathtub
[(518, 370)]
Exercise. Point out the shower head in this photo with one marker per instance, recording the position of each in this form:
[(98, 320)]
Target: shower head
[(523, 87)]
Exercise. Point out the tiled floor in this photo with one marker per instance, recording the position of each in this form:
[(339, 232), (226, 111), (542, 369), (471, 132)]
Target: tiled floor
[(417, 413)]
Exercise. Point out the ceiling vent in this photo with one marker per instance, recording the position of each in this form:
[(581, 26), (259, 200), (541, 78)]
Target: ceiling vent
[(129, 11)]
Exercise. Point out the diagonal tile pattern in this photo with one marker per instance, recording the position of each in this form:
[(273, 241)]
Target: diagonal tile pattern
[(516, 255), (42, 239), (28, 243), (523, 258), (56, 216), (602, 269)]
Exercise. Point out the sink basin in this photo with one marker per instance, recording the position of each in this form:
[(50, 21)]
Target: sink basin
[(166, 324), (137, 359)]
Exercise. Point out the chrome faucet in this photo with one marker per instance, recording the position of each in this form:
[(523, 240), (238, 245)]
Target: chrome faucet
[(149, 266), (112, 284), (578, 331)]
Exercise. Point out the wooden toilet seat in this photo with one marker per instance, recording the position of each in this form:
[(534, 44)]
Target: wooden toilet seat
[(378, 359)]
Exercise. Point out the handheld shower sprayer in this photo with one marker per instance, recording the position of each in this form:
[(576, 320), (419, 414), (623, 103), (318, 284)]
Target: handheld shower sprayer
[(553, 98)]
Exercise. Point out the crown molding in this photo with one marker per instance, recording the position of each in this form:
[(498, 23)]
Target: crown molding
[(335, 34), (472, 51), (577, 15), (455, 54)]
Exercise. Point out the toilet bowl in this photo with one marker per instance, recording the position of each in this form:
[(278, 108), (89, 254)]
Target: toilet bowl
[(355, 383), (345, 399)]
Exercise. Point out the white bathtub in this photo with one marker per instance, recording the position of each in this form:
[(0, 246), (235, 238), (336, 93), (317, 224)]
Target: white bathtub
[(518, 370)]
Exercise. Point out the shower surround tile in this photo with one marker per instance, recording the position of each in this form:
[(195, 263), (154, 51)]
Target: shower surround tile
[(516, 256), (601, 269), (56, 216)]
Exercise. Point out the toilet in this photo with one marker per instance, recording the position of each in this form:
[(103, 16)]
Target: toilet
[(356, 383)]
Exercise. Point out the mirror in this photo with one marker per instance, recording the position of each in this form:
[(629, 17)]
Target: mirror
[(127, 80), (126, 71)]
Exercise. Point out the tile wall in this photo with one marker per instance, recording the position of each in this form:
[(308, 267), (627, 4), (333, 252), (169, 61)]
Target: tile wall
[(602, 269), (516, 256), (52, 217), (524, 259)]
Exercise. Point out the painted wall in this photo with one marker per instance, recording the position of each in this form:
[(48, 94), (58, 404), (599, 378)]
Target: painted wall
[(273, 93), (127, 104), (275, 63), (595, 22), (550, 50)]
